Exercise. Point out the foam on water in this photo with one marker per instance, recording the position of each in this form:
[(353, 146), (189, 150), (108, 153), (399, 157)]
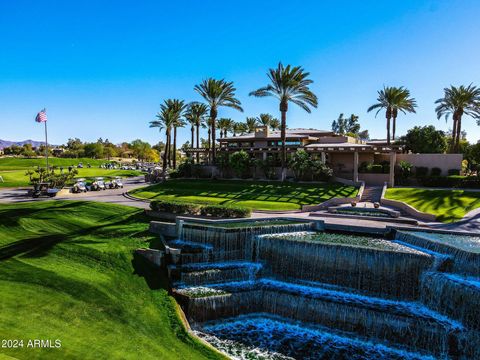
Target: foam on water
[(262, 336)]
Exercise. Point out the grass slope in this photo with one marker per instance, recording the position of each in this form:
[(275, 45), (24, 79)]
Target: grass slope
[(67, 272), (15, 163), (447, 205), (255, 195)]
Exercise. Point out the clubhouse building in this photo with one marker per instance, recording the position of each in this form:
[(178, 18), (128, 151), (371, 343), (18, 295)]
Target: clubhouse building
[(344, 154)]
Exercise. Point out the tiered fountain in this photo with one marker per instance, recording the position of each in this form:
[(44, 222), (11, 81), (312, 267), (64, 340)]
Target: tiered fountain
[(283, 290)]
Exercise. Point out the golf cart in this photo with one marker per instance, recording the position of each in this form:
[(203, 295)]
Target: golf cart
[(43, 189), (116, 183), (79, 186), (98, 184)]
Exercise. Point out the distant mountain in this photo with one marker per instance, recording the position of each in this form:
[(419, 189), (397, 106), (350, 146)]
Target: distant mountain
[(6, 143)]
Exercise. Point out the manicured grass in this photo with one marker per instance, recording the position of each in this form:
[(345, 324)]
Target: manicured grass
[(17, 178), (447, 205), (16, 163), (257, 195), (67, 272)]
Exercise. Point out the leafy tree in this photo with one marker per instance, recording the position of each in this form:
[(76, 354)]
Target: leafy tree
[(459, 101), (217, 93), (275, 124), (426, 140), (225, 125), (239, 128), (288, 84), (300, 163), (392, 100), (343, 126), (267, 120), (240, 163), (94, 150), (141, 149)]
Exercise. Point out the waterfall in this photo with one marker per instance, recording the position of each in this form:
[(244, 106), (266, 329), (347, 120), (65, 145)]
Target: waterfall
[(464, 261), (418, 293)]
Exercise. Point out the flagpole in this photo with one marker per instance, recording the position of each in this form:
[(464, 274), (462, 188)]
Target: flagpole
[(46, 143)]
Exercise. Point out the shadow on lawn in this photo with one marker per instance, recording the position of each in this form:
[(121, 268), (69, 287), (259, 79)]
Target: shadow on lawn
[(154, 276)]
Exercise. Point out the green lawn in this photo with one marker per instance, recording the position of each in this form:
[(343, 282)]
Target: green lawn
[(17, 178), (16, 163), (447, 205), (257, 195), (67, 272)]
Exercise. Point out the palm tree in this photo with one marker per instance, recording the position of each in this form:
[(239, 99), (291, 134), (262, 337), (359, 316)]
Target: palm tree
[(458, 101), (275, 124), (196, 114), (239, 128), (393, 99), (403, 103), (266, 120), (288, 84), (217, 93), (251, 123), (177, 108), (225, 125), (164, 122)]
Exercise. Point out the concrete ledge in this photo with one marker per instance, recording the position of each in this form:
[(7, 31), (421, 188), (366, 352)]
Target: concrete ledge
[(336, 201), (163, 228), (410, 210), (154, 256)]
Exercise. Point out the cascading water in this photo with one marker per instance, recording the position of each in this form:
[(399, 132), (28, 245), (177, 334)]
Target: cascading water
[(357, 288)]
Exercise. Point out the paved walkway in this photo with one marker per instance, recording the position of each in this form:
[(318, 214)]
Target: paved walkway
[(113, 196)]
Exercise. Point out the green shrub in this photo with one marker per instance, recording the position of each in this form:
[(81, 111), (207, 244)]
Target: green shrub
[(436, 171), (376, 169), (185, 208), (321, 171), (225, 211), (175, 207), (421, 171), (454, 172)]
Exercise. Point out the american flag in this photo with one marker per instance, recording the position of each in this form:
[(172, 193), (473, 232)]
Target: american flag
[(41, 116)]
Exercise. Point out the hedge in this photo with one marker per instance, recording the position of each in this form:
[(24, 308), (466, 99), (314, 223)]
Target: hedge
[(185, 208), (471, 182)]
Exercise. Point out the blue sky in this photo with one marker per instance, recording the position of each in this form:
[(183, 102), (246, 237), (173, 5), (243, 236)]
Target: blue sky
[(103, 67)]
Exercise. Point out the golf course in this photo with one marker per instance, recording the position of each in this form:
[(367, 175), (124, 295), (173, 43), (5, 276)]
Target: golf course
[(13, 169), (256, 195), (68, 272)]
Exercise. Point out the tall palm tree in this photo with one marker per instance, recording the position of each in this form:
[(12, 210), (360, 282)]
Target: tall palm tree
[(251, 123), (392, 99), (288, 84), (266, 120), (217, 93), (239, 128), (196, 114), (458, 101), (275, 124), (403, 103), (225, 125), (165, 121), (177, 108)]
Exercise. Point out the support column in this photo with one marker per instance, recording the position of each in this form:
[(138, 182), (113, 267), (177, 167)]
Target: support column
[(323, 157), (264, 156), (393, 160), (355, 166)]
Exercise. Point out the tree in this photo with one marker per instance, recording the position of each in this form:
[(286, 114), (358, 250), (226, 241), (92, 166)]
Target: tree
[(343, 126), (239, 128), (141, 149), (392, 100), (240, 163), (275, 124), (459, 101), (251, 124), (217, 93), (225, 125), (266, 120), (197, 112), (288, 84), (425, 140)]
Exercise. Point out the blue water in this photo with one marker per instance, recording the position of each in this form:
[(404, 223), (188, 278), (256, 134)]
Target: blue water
[(262, 337)]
